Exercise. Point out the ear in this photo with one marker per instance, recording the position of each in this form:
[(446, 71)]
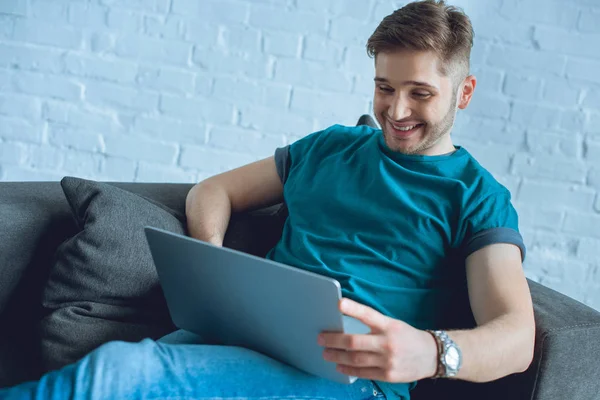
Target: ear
[(465, 92)]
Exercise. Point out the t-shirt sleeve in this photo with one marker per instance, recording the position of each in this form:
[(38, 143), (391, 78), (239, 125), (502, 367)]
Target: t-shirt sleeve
[(493, 220), (282, 162)]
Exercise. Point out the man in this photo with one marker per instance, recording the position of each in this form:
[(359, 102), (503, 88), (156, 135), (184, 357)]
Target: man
[(419, 235)]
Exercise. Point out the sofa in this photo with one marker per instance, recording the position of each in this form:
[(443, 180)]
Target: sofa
[(36, 221)]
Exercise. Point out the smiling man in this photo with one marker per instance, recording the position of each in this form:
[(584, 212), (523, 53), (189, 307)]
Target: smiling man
[(423, 240)]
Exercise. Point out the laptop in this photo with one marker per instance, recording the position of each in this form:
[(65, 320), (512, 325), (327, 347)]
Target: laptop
[(232, 298)]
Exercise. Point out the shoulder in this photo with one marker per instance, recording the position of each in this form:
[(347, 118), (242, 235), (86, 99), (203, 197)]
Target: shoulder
[(335, 136)]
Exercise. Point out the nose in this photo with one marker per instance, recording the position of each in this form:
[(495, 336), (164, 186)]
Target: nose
[(399, 109)]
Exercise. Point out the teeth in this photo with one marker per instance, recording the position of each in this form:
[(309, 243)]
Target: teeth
[(407, 128)]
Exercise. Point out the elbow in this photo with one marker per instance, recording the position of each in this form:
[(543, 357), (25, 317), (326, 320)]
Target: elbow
[(528, 348)]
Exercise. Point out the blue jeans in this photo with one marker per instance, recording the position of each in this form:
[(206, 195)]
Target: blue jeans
[(180, 367)]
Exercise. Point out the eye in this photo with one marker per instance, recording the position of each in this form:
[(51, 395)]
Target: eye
[(385, 89), (422, 95)]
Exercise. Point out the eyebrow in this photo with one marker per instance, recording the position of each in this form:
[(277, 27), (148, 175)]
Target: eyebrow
[(415, 83)]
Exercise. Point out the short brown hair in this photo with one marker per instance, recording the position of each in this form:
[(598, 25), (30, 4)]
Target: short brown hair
[(427, 25)]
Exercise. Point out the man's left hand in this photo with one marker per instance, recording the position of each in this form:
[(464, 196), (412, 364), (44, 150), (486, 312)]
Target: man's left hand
[(394, 351)]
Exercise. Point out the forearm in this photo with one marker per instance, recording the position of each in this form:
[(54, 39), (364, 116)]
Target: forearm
[(501, 347), (208, 210)]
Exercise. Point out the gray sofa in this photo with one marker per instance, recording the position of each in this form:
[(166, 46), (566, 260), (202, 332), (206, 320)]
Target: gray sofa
[(35, 219)]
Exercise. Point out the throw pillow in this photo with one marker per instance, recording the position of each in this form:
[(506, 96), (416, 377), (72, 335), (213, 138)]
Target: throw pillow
[(103, 285)]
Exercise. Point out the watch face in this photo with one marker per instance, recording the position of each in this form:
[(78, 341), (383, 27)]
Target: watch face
[(452, 358)]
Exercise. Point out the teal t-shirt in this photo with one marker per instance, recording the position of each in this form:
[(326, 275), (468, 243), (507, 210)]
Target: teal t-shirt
[(393, 229)]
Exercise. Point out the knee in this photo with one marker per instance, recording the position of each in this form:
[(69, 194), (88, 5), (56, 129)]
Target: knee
[(121, 356)]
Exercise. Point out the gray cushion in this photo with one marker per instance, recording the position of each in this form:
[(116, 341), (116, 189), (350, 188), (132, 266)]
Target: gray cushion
[(103, 285)]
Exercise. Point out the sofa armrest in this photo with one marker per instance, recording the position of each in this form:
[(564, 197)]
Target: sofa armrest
[(566, 358), (567, 351)]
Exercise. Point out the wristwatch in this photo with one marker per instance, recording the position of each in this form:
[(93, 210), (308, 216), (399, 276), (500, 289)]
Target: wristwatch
[(449, 355)]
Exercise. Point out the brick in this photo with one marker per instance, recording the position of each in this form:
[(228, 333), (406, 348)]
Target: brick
[(358, 62), (276, 95), (105, 94), (46, 85), (14, 7), (200, 32), (550, 167), (512, 183), (323, 51), (556, 195), (170, 27), (548, 143), (531, 115), (90, 16), (12, 153), (38, 32), (588, 249), (74, 116), (504, 31), (578, 44), (243, 91), (363, 85), (490, 106), (142, 149), (158, 173), (555, 13), (28, 108), (597, 204), (592, 99), (226, 12), (312, 75), (98, 68), (487, 131), (523, 88), (44, 157), (282, 44), (246, 141), (102, 42), (153, 50), (585, 70), (159, 6), (7, 25), (23, 174), (212, 161), (495, 160), (526, 60), (572, 121), (196, 109), (555, 244), (583, 224), (203, 85), (118, 169), (488, 79), (48, 11), (257, 66), (125, 20), (240, 39), (263, 119), (30, 58), (166, 80), (340, 107), (592, 125), (350, 31), (593, 179), (561, 92), (588, 21), (170, 130), (281, 19), (593, 151), (83, 164), (74, 138)]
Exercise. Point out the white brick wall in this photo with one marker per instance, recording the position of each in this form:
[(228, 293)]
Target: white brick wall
[(178, 90)]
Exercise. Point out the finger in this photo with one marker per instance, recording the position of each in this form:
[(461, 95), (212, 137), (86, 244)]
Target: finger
[(353, 358), (371, 373), (344, 341), (366, 315)]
